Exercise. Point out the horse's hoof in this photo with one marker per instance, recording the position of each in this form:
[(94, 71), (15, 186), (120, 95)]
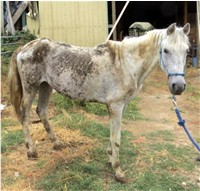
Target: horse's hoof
[(32, 155), (121, 179), (58, 146)]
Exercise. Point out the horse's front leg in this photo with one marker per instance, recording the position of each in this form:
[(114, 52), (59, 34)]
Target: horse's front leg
[(115, 111)]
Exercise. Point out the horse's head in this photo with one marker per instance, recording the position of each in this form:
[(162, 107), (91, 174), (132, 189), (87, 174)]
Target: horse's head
[(173, 52)]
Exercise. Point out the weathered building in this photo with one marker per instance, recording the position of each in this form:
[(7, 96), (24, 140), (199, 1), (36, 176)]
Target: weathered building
[(78, 23)]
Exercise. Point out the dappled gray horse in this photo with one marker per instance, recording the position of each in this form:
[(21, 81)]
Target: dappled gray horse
[(111, 73)]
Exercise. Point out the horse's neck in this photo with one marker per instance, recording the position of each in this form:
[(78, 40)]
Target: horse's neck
[(148, 53)]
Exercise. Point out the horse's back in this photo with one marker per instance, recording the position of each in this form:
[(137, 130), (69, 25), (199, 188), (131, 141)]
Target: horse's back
[(80, 72)]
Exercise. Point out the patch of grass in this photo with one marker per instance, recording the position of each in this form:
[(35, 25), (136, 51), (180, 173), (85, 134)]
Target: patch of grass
[(41, 164), (165, 135), (157, 167), (160, 165), (62, 102), (7, 122), (168, 154), (163, 166), (5, 64), (160, 181), (96, 108), (195, 93), (10, 139), (82, 176), (78, 121), (132, 111), (172, 158), (93, 174), (158, 85), (7, 181)]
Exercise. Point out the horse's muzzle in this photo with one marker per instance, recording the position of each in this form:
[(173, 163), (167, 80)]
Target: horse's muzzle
[(177, 85), (177, 89)]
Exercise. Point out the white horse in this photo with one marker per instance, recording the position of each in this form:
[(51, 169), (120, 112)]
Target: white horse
[(111, 73)]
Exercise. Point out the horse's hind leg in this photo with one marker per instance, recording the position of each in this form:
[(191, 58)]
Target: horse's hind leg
[(26, 107), (42, 110)]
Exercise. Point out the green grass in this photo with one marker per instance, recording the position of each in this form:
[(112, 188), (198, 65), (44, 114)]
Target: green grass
[(78, 121), (96, 108), (62, 102), (132, 111), (155, 170), (10, 139), (157, 166), (194, 91), (165, 135), (7, 123), (66, 103), (92, 175)]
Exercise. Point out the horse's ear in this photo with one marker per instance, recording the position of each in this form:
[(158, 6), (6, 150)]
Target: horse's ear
[(186, 29), (171, 28)]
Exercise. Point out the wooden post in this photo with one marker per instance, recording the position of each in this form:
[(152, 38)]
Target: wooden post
[(2, 18), (185, 12), (198, 32), (114, 19), (10, 26), (19, 11), (118, 19)]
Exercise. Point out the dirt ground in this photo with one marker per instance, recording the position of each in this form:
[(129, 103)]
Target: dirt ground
[(155, 104)]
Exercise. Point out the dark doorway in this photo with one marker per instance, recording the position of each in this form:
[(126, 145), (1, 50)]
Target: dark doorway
[(159, 13)]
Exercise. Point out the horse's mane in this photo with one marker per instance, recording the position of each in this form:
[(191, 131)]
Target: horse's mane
[(176, 40), (151, 37)]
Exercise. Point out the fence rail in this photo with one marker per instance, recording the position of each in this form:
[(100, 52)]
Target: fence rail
[(7, 37), (10, 43)]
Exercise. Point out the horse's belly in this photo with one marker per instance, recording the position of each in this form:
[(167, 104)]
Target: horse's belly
[(77, 87)]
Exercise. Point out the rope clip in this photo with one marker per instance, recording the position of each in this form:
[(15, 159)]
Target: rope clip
[(174, 101)]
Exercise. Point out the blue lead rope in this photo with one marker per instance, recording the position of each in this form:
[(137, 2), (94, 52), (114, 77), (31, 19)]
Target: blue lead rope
[(181, 122)]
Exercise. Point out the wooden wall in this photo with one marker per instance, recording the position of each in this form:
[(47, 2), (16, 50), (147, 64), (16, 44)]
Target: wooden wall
[(78, 23)]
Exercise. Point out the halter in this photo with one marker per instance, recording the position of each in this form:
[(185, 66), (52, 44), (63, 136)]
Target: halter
[(163, 64)]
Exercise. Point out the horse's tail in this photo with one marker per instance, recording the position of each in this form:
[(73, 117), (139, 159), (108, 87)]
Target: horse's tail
[(16, 91)]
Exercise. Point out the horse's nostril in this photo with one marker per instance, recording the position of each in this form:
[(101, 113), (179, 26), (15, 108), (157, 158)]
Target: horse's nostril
[(173, 86)]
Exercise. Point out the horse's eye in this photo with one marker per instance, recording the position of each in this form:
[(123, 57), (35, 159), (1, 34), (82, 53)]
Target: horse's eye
[(166, 51)]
